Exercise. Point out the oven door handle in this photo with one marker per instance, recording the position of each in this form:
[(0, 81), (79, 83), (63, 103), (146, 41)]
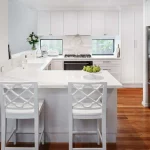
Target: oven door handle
[(76, 63)]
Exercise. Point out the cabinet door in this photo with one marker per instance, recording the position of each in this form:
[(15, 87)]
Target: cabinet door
[(4, 38), (84, 22), (127, 45), (138, 58), (148, 12), (97, 23), (43, 23), (112, 23), (57, 23), (70, 23), (57, 65)]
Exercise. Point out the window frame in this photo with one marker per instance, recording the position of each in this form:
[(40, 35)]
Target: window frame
[(104, 54), (53, 39)]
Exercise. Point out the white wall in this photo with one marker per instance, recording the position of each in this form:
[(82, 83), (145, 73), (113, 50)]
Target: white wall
[(3, 30), (22, 21)]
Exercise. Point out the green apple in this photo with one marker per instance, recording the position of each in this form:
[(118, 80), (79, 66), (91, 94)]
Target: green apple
[(90, 70), (97, 68), (87, 68), (84, 68), (94, 69)]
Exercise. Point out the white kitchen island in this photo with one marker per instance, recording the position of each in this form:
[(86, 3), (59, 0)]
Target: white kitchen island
[(53, 88)]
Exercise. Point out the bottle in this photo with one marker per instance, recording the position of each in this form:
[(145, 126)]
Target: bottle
[(24, 62), (118, 51)]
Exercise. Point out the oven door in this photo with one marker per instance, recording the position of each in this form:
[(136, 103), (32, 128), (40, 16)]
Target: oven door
[(76, 65)]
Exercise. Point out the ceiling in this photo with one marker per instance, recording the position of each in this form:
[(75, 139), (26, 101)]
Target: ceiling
[(63, 4)]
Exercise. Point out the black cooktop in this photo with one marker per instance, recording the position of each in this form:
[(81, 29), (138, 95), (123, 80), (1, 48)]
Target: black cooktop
[(78, 56)]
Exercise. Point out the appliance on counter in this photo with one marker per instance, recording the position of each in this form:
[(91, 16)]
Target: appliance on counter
[(76, 65), (78, 56)]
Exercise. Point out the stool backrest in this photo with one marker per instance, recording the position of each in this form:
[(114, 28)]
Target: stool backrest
[(19, 95), (87, 95)]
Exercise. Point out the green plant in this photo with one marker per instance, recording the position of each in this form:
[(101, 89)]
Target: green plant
[(33, 39)]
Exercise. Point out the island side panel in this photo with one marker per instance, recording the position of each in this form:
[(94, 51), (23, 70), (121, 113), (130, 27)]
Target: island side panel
[(111, 115)]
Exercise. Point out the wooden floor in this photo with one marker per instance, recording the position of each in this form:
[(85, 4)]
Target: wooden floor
[(133, 124)]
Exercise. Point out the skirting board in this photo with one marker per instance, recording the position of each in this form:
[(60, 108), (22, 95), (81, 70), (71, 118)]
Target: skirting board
[(63, 138), (129, 85), (145, 104)]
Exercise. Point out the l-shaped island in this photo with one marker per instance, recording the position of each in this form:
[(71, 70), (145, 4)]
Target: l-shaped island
[(53, 87)]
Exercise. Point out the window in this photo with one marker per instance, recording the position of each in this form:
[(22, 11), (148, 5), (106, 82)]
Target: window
[(53, 44), (103, 46)]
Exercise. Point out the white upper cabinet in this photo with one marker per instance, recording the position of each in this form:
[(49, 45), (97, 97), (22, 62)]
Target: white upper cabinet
[(148, 12), (98, 23), (43, 23), (57, 23), (105, 23), (111, 23), (84, 23), (70, 23)]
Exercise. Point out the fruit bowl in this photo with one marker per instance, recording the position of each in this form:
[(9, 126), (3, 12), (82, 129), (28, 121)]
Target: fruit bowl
[(93, 76), (92, 69)]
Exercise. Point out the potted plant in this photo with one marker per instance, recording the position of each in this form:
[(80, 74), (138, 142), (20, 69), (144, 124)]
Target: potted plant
[(33, 39)]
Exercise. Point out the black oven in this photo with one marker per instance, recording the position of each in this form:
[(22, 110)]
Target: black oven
[(76, 65)]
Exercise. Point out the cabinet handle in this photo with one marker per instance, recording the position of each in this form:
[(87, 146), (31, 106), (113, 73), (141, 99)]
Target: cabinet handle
[(106, 61), (107, 69)]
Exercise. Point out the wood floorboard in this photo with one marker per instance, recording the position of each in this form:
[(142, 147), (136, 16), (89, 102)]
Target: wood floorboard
[(133, 125)]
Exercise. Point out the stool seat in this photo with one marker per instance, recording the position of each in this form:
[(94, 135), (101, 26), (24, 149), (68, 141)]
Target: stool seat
[(88, 114), (22, 113)]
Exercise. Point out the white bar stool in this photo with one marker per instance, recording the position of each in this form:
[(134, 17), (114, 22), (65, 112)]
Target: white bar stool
[(19, 100), (88, 101)]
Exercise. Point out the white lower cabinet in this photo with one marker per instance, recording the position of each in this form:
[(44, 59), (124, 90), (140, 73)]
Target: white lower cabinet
[(112, 66), (57, 65)]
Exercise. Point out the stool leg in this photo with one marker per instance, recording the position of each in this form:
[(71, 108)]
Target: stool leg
[(70, 133), (3, 132), (104, 133), (43, 127), (36, 132), (98, 128), (16, 127)]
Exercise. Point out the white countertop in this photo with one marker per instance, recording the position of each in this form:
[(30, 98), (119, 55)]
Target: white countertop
[(34, 71), (56, 79)]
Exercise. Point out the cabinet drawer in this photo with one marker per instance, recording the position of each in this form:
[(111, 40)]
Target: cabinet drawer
[(111, 69), (107, 62)]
